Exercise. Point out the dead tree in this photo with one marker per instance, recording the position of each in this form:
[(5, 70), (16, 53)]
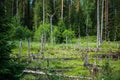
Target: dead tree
[(102, 15), (66, 42), (87, 35), (85, 59), (98, 24), (94, 70), (79, 43), (41, 46), (51, 27), (28, 51)]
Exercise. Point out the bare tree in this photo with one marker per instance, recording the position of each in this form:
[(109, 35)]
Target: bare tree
[(98, 24), (28, 58), (102, 15), (51, 27), (41, 45)]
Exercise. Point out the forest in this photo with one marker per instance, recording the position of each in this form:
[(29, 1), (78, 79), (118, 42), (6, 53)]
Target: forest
[(59, 39)]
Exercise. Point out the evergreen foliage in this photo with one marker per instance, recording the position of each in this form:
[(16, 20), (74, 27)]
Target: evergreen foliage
[(8, 66)]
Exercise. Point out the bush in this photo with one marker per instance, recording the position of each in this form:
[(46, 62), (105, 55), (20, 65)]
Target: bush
[(57, 35), (19, 32), (42, 29), (22, 32), (69, 34)]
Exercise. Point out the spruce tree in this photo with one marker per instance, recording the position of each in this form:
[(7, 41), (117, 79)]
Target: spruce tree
[(10, 68)]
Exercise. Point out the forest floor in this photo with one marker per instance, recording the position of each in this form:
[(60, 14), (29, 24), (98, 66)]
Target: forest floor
[(70, 59)]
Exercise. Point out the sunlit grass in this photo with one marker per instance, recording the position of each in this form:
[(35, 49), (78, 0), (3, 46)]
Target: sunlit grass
[(60, 52)]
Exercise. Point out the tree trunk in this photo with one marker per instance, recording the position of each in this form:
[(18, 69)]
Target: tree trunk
[(28, 58), (51, 30), (62, 9), (43, 11), (54, 4), (102, 20), (12, 7), (17, 8), (116, 28), (98, 25), (87, 32), (51, 27), (106, 18), (66, 42)]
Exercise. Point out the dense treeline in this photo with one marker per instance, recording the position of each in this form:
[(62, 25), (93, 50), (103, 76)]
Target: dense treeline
[(78, 15)]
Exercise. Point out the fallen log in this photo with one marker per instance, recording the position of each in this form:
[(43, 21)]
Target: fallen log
[(50, 74)]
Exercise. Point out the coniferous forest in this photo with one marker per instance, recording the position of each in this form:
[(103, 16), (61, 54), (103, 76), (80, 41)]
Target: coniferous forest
[(59, 39)]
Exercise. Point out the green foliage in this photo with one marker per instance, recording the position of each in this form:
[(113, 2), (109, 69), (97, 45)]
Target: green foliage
[(43, 29), (57, 34), (106, 72), (58, 31), (69, 34), (15, 68), (10, 68), (18, 31), (37, 14), (22, 33), (28, 77)]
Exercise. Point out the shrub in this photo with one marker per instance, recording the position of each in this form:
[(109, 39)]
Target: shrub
[(19, 32), (69, 34), (22, 32), (42, 29), (57, 34)]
